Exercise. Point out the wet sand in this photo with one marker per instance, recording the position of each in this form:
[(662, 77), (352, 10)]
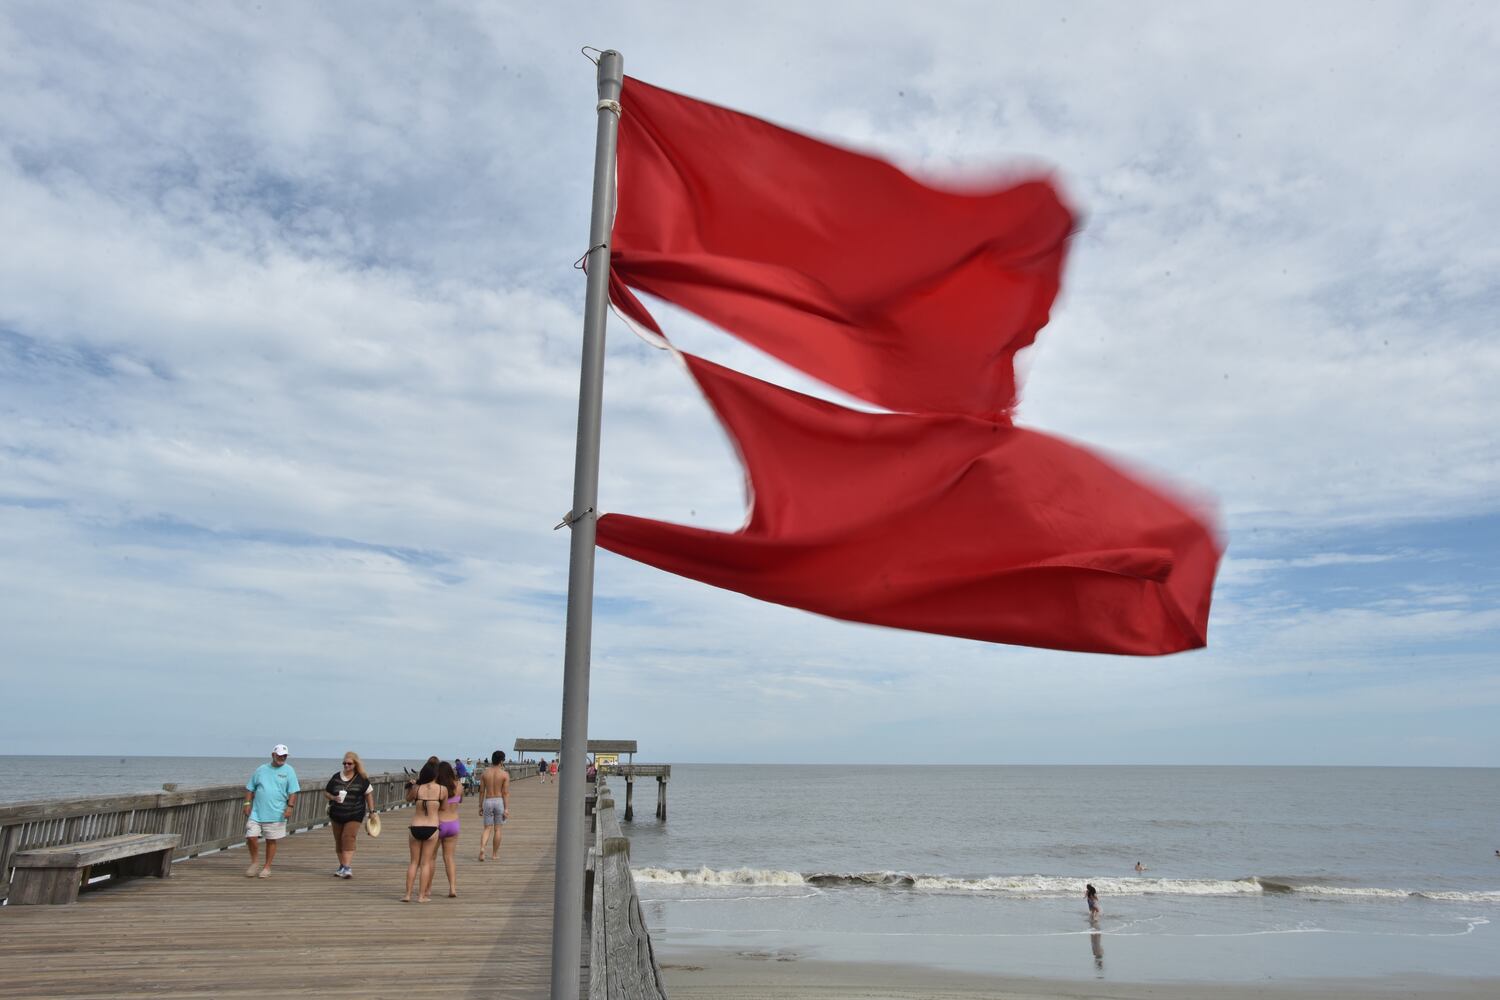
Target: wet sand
[(770, 975)]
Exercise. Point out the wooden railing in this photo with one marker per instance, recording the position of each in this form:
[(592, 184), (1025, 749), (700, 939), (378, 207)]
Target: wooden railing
[(622, 962), (207, 818)]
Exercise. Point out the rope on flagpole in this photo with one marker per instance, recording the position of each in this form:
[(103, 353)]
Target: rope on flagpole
[(578, 265), (589, 48), (570, 518)]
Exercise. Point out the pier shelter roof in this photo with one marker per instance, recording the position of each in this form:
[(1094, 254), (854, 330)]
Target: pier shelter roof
[(595, 746)]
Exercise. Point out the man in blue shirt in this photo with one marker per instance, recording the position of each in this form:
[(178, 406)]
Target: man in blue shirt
[(270, 795)]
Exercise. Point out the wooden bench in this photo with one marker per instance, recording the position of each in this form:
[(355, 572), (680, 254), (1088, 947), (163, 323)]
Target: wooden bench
[(55, 874)]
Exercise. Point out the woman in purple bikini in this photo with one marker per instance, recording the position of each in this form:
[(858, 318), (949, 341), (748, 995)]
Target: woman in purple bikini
[(448, 822)]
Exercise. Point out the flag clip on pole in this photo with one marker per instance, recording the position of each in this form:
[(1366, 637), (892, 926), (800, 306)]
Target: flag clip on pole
[(567, 896)]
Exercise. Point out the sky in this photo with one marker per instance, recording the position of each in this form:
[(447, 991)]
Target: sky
[(289, 346)]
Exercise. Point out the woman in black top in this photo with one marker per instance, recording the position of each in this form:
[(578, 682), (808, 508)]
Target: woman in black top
[(349, 797)]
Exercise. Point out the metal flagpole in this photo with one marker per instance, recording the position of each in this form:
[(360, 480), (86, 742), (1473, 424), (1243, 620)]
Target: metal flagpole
[(567, 894)]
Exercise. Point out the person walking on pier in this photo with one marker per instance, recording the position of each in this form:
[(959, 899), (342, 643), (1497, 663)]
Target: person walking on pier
[(494, 803), (448, 823), (428, 796), (349, 796), (271, 794)]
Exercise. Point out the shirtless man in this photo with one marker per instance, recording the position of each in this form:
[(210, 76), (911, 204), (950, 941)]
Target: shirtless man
[(494, 802)]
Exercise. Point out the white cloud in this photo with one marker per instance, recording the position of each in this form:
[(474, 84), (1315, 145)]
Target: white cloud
[(289, 344)]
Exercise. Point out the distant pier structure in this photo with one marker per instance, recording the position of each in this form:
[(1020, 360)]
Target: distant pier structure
[(606, 754)]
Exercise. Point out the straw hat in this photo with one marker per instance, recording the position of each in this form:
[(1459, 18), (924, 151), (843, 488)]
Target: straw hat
[(372, 824)]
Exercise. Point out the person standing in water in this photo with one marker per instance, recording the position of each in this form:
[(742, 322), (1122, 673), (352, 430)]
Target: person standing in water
[(1091, 896)]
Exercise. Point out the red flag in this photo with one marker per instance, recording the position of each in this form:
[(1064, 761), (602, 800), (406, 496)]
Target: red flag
[(835, 262), (940, 523)]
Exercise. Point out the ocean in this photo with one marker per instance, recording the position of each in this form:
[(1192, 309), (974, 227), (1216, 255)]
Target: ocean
[(1252, 873), (25, 778)]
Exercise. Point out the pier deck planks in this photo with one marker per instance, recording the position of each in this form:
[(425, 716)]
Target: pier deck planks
[(208, 931)]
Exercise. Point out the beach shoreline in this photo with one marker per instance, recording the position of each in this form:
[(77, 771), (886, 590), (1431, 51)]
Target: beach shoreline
[(749, 974)]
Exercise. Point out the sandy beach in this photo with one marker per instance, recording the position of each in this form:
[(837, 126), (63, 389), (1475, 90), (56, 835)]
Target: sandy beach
[(770, 975)]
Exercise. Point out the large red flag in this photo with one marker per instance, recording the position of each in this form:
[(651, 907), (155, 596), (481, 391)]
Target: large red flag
[(837, 263), (940, 523)]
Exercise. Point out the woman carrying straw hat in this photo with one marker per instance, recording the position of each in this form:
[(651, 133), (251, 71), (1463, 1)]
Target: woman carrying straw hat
[(350, 797)]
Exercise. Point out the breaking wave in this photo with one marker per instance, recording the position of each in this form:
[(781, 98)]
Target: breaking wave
[(1023, 886), (708, 876)]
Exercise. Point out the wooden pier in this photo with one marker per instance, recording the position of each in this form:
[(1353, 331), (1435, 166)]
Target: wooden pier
[(629, 770), (208, 931), (661, 772)]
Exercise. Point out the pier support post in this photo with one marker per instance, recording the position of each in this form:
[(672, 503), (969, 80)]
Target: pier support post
[(661, 798), (629, 795)]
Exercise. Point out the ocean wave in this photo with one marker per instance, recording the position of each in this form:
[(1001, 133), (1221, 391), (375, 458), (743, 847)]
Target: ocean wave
[(1361, 891), (709, 876), (1024, 886), (1054, 885), (1314, 888), (1461, 897)]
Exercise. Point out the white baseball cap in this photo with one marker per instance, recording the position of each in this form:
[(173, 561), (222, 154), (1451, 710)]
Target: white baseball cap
[(280, 750)]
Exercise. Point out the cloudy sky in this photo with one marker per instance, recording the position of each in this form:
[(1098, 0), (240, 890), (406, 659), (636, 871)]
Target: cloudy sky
[(289, 336)]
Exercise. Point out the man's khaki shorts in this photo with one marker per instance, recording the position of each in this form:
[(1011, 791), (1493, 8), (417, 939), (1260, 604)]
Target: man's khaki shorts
[(268, 831)]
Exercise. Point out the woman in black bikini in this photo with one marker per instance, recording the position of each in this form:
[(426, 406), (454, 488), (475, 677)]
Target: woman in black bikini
[(428, 796)]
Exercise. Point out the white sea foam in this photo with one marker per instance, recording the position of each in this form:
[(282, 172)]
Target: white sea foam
[(1014, 885), (709, 876), (1361, 891), (1376, 892), (1027, 886), (1049, 885), (1461, 897)]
